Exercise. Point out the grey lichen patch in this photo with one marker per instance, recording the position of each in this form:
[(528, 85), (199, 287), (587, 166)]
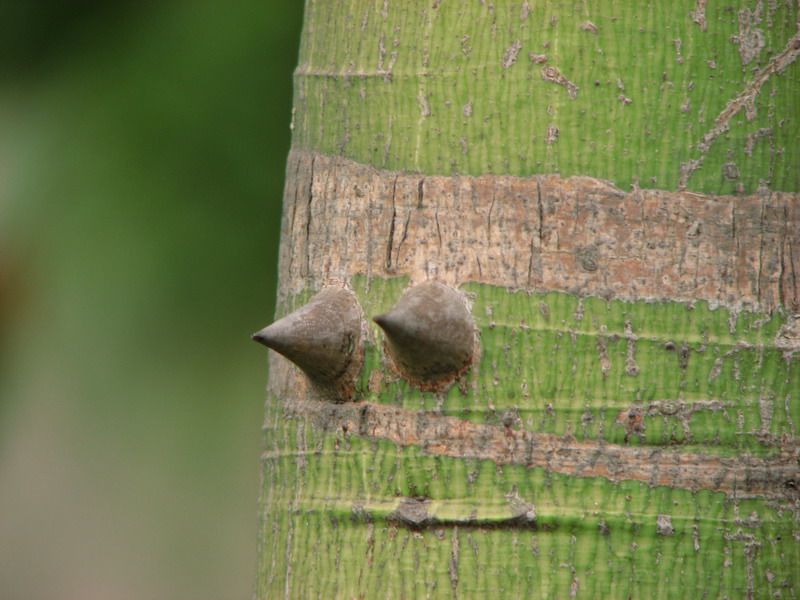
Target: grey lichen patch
[(750, 40), (455, 553), (574, 586), (699, 15), (716, 369), (465, 47), (766, 409), (385, 67), (553, 75), (545, 310), (664, 525), (788, 337), (687, 169), (754, 137), (510, 55), (631, 368), (424, 105), (633, 421), (730, 170), (602, 351), (524, 10), (678, 43)]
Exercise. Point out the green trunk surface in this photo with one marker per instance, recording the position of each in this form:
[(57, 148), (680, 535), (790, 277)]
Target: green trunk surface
[(329, 497), (456, 87), (424, 87)]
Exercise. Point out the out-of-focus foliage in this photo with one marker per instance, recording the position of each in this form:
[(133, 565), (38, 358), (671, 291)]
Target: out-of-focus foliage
[(142, 149)]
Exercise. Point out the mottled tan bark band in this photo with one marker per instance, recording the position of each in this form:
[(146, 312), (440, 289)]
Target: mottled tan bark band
[(745, 476), (579, 235)]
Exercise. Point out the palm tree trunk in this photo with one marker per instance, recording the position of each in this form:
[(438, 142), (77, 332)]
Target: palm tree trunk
[(613, 188)]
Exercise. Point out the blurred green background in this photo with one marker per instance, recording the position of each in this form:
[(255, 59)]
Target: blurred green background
[(142, 153)]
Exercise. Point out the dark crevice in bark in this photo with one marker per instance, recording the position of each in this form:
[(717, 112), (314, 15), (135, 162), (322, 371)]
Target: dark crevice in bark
[(489, 217), (519, 523), (390, 241), (405, 233), (309, 203)]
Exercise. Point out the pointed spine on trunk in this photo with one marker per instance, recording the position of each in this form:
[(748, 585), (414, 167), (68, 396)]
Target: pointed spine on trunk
[(430, 335), (323, 338)]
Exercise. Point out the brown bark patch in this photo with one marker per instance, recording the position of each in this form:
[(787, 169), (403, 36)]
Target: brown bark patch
[(579, 235)]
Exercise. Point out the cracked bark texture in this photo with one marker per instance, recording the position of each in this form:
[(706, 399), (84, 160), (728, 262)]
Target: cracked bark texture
[(625, 227), (579, 235)]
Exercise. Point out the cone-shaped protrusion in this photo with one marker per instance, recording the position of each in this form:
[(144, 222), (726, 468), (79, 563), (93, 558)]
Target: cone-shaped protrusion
[(322, 338), (430, 334)]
